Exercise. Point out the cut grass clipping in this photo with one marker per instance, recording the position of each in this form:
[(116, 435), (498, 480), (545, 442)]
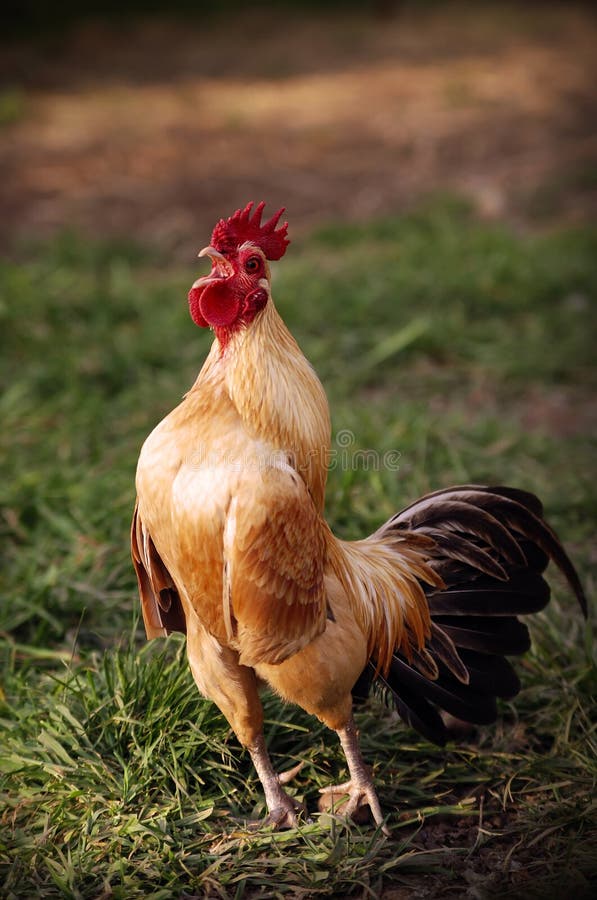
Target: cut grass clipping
[(465, 350)]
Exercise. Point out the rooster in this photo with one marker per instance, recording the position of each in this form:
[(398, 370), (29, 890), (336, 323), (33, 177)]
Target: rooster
[(230, 546)]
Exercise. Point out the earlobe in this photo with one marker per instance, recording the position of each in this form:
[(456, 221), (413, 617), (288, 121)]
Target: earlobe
[(255, 301)]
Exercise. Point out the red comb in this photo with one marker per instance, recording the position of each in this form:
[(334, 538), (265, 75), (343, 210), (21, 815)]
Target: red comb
[(240, 227)]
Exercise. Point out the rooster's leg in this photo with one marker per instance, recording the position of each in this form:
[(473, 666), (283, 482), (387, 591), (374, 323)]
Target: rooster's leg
[(234, 689), (282, 810), (360, 790)]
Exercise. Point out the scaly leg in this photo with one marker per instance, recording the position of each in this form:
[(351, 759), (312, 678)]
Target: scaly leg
[(360, 790), (282, 809), (233, 688)]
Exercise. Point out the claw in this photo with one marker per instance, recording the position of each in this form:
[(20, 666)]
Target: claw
[(355, 801), (283, 817)]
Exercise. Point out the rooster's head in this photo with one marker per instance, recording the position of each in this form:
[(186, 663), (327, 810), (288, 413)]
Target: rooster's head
[(238, 286)]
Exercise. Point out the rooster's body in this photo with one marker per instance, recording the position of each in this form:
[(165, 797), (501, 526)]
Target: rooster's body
[(231, 546)]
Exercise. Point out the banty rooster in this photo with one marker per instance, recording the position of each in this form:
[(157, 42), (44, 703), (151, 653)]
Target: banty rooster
[(230, 545)]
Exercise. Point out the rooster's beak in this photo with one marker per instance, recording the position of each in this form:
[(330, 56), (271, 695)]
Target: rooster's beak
[(221, 267)]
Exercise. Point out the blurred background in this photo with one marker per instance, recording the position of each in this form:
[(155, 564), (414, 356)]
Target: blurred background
[(153, 119), (438, 163)]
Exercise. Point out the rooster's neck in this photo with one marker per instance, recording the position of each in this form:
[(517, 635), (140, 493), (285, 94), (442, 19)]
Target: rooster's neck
[(278, 395)]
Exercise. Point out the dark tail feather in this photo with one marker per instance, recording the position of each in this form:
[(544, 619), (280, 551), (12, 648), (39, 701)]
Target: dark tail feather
[(491, 546), (526, 592), (454, 697), (491, 674), (517, 512), (462, 550), (417, 712), (504, 635), (463, 517)]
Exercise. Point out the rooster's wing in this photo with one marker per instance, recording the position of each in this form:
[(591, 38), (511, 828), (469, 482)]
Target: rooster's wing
[(274, 557)]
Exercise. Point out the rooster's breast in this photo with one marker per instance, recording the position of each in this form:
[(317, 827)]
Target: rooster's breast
[(187, 478)]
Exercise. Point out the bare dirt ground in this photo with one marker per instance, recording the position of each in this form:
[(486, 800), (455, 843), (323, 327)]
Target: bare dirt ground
[(154, 129)]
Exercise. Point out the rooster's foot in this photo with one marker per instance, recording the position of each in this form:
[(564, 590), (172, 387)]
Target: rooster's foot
[(355, 796), (284, 816), (354, 800)]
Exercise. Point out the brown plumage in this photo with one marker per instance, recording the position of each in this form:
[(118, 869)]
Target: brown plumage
[(230, 545)]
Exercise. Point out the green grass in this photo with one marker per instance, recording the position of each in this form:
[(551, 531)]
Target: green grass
[(437, 337)]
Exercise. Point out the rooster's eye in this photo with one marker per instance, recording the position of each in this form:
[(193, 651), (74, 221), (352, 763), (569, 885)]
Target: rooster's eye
[(252, 264)]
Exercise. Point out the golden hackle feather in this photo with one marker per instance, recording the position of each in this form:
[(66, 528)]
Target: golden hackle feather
[(279, 397)]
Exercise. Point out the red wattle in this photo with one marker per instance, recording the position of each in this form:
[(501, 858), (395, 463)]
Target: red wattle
[(218, 305), (194, 307)]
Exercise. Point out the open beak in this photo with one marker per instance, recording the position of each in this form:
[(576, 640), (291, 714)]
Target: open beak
[(213, 300), (220, 266)]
